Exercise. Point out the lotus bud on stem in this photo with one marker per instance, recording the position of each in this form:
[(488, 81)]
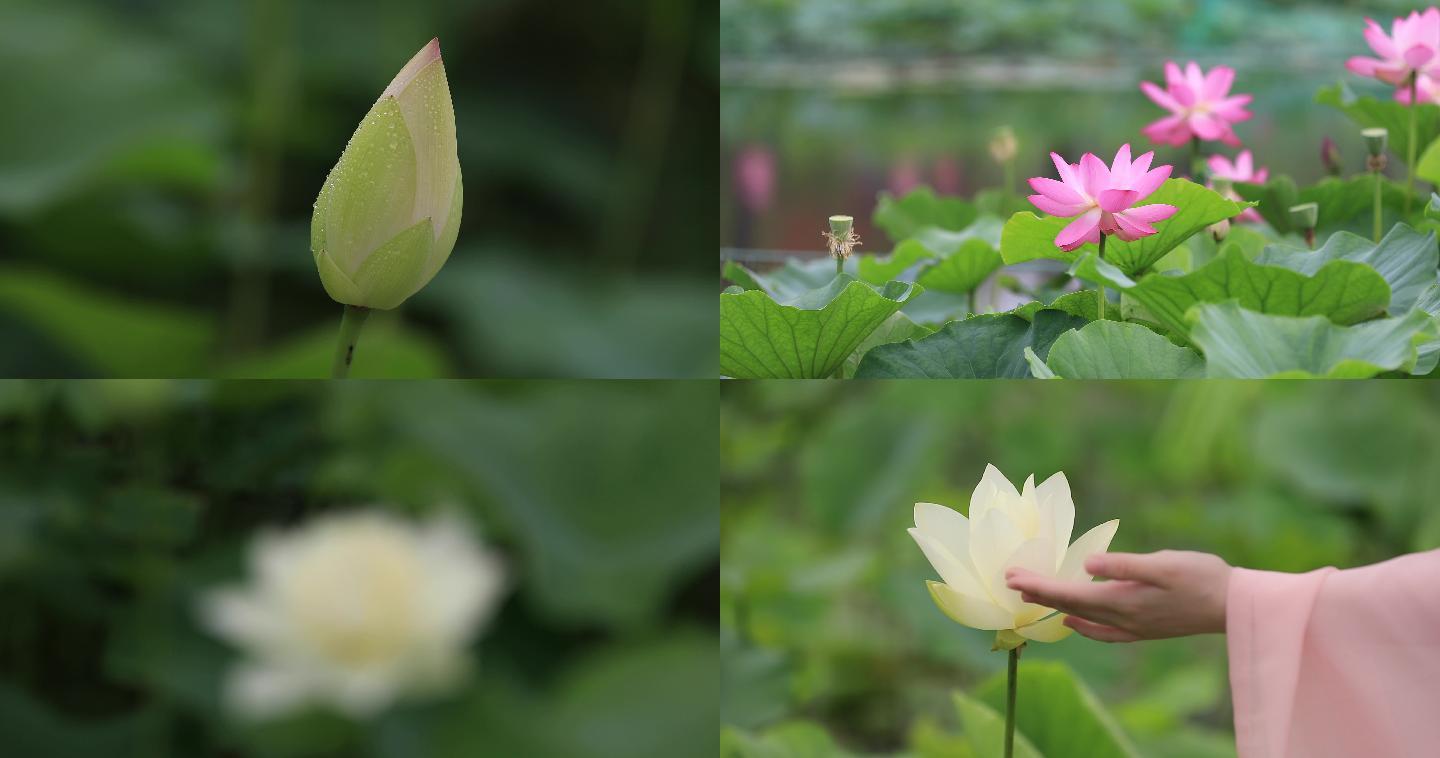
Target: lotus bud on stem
[(1375, 140), (1305, 215), (841, 240), (1330, 156), (1003, 147)]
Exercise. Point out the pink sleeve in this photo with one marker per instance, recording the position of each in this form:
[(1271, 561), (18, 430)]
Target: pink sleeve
[(1338, 663)]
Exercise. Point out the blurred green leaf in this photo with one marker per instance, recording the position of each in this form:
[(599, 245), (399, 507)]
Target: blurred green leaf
[(1367, 112), (387, 349), (1058, 713), (921, 207), (985, 730)]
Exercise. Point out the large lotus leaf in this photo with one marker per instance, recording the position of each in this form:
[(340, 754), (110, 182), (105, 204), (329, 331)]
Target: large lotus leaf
[(921, 207), (1368, 112), (1116, 350), (1405, 258), (1027, 236), (1343, 291), (879, 269), (1080, 304), (791, 280), (806, 337), (1429, 351), (1058, 713), (963, 270), (1343, 203), (991, 346), (1243, 344), (897, 328)]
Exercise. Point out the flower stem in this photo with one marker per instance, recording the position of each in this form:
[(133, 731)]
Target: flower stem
[(1014, 670), (1195, 163), (350, 324), (1410, 149), (1100, 286), (1377, 207), (839, 265)]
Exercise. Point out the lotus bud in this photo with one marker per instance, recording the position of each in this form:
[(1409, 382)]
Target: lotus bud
[(1330, 156), (1003, 145), (389, 212), (1304, 216), (1220, 229)]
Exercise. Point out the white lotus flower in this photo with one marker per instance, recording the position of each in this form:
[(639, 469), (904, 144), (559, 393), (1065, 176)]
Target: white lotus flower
[(354, 611), (1029, 529)]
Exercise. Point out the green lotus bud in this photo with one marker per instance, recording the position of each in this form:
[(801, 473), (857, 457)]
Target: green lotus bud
[(1375, 140), (1305, 215), (387, 217)]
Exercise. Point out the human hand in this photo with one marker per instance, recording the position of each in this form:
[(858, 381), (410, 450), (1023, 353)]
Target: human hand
[(1151, 596)]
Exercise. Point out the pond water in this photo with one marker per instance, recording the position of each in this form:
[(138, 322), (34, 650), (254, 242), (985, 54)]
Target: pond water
[(791, 155)]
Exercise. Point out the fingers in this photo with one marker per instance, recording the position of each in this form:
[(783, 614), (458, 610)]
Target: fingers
[(1083, 598), (1148, 568), (1099, 632)]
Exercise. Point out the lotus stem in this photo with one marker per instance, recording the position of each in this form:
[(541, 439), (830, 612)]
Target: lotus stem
[(350, 325), (1377, 207), (970, 301), (1410, 148), (1100, 286), (1014, 670), (1195, 164)]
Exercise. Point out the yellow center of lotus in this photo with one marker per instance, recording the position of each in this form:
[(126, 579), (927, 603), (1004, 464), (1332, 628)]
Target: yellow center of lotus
[(354, 599)]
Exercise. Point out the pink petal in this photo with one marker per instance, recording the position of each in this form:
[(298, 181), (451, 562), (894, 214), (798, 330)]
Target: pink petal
[(1418, 55), (1194, 78), (1054, 208), (1206, 126), (1094, 174), (1363, 66), (1151, 181), (1232, 109), (1379, 40), (1261, 176), (1067, 171), (1229, 137), (1057, 191), (1183, 94), (1244, 164), (1115, 200), (1173, 75), (1150, 214), (1170, 130), (1220, 167), (1218, 81), (1078, 232), (1131, 229), (1160, 97), (1120, 166), (1141, 164)]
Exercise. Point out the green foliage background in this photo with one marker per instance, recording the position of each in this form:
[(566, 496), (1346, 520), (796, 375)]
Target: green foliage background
[(830, 642), (159, 160), (121, 501)]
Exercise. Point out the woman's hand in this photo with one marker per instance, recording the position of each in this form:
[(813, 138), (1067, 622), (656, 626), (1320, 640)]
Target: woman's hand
[(1171, 593)]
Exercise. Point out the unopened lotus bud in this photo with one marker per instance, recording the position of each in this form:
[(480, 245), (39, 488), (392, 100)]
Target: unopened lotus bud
[(1375, 140), (1330, 157), (1220, 229), (1305, 215), (389, 212), (1003, 145)]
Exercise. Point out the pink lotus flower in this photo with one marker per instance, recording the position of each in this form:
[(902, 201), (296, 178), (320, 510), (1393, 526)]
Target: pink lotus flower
[(1103, 199), (1242, 170), (1200, 105), (1411, 48)]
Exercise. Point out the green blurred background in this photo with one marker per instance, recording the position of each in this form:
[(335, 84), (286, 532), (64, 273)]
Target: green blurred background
[(829, 639), (121, 501), (159, 160), (824, 103)]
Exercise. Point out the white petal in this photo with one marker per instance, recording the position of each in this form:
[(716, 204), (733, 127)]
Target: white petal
[(1032, 555), (993, 540), (261, 691), (974, 612), (955, 571), (1051, 629), (1093, 542), (994, 490), (1058, 510)]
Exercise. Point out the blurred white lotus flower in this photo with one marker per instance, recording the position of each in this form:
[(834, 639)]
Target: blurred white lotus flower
[(354, 611), (1029, 529)]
